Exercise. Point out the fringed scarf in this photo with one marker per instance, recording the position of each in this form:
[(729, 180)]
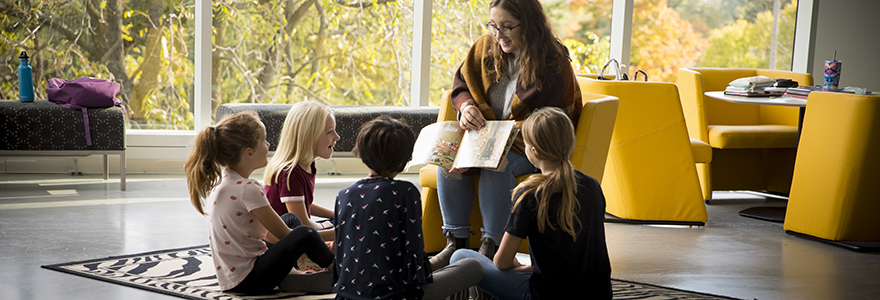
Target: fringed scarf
[(474, 77)]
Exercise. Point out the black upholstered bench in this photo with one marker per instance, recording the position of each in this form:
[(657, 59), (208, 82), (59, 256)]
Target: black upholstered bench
[(348, 119), (43, 128)]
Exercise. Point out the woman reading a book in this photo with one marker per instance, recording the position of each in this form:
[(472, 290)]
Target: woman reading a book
[(517, 67)]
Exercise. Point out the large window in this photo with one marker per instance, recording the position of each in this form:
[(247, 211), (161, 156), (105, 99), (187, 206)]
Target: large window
[(143, 45), (582, 25), (672, 34), (350, 52), (334, 52)]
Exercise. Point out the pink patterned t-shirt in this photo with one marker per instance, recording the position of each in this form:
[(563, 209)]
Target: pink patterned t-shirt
[(235, 234)]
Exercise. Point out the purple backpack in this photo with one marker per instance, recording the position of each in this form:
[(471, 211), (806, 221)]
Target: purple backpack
[(83, 93)]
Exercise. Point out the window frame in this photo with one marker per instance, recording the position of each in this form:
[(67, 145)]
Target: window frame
[(621, 33)]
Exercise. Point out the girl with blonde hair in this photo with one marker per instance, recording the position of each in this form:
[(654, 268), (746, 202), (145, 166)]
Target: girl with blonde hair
[(239, 215), (561, 212), (308, 133)]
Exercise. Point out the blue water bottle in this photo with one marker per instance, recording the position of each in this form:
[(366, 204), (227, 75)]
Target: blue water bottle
[(25, 79)]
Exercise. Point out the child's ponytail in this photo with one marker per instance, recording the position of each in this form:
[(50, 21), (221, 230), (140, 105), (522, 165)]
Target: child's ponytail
[(551, 133), (202, 169), (217, 147)]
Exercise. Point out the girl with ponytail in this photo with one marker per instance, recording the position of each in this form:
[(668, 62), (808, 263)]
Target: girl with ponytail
[(240, 218), (561, 211)]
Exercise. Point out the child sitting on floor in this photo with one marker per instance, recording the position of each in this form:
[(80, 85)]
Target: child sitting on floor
[(380, 252), (239, 215), (561, 211)]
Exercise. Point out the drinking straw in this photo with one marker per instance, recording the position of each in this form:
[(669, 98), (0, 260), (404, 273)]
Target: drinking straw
[(835, 55)]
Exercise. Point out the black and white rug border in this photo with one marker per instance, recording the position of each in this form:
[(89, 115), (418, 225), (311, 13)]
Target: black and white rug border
[(181, 289)]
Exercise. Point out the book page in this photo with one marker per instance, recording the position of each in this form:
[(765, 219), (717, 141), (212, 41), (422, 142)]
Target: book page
[(437, 144), (485, 148)]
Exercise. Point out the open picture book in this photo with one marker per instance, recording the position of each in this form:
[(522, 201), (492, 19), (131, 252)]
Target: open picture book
[(446, 145)]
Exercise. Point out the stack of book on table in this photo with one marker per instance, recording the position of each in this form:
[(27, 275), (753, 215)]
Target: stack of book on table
[(754, 92), (756, 86), (802, 91)]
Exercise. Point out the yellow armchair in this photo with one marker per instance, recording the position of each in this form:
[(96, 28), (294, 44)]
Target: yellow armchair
[(593, 134), (753, 146), (835, 195), (650, 175)]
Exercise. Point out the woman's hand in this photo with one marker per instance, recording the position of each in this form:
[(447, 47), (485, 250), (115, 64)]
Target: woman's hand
[(458, 170), (471, 117)]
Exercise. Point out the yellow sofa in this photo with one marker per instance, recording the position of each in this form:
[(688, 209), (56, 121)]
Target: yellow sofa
[(593, 134), (650, 175), (835, 192), (753, 146)]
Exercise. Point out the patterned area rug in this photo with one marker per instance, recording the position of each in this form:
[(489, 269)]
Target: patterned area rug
[(187, 273)]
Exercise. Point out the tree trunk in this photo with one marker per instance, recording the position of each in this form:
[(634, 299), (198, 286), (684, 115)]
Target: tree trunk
[(114, 57), (219, 25), (774, 36), (148, 79)]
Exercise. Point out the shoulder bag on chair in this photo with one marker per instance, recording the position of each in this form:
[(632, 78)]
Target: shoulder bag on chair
[(83, 93), (621, 73)]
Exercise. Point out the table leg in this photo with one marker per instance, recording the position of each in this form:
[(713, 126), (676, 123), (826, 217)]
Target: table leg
[(801, 111)]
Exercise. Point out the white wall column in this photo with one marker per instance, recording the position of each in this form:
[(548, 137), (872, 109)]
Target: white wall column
[(621, 31), (203, 34), (421, 53), (805, 37)]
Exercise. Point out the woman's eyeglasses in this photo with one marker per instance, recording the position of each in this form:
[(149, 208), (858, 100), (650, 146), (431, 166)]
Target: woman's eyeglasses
[(503, 30)]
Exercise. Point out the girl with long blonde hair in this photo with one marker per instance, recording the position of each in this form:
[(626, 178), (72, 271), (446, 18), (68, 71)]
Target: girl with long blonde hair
[(308, 133), (561, 212)]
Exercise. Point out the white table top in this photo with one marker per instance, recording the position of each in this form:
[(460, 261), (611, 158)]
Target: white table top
[(779, 101)]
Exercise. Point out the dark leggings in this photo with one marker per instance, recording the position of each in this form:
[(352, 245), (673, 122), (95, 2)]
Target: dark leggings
[(274, 265)]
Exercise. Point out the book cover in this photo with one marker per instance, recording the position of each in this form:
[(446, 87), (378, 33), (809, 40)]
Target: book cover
[(753, 92), (446, 145), (794, 95), (803, 90)]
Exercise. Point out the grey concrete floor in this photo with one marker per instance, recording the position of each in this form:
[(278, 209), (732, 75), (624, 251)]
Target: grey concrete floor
[(55, 218)]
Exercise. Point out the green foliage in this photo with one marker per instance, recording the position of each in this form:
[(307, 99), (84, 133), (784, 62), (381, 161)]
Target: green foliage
[(662, 41), (745, 44), (352, 52)]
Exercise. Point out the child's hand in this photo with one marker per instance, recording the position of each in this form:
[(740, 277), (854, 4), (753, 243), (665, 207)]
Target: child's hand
[(330, 245), (325, 224), (517, 266)]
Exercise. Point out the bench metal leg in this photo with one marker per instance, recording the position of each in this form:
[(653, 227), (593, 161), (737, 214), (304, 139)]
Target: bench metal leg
[(122, 171), (106, 168)]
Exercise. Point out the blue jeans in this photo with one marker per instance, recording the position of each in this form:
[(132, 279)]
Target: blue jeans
[(501, 284), (456, 197)]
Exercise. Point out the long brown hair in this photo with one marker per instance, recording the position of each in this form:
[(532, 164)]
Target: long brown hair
[(550, 132), (540, 54), (217, 147)]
